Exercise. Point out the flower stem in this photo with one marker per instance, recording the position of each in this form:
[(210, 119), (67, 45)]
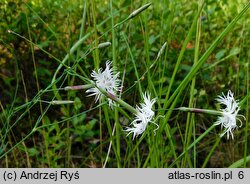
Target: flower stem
[(79, 87), (121, 102), (196, 110), (118, 100)]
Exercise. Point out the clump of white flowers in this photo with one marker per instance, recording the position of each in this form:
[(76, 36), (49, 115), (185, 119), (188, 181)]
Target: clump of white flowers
[(230, 115), (107, 85), (144, 115), (108, 81)]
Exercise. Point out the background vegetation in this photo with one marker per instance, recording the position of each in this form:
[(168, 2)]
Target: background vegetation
[(36, 36)]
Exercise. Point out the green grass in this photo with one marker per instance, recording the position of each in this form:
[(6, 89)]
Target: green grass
[(51, 45)]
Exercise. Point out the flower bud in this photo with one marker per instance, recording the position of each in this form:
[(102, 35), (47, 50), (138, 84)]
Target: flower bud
[(139, 10)]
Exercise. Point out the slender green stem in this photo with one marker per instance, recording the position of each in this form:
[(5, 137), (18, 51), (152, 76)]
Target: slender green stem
[(133, 61), (211, 152), (193, 144), (183, 49), (196, 110), (120, 101), (111, 135), (190, 118)]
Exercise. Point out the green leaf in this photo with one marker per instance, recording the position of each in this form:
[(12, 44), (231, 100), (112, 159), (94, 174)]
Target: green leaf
[(220, 54), (32, 152), (240, 162), (78, 103), (235, 51)]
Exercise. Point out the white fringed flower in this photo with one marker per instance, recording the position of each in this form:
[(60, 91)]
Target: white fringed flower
[(144, 115), (107, 81), (229, 114)]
